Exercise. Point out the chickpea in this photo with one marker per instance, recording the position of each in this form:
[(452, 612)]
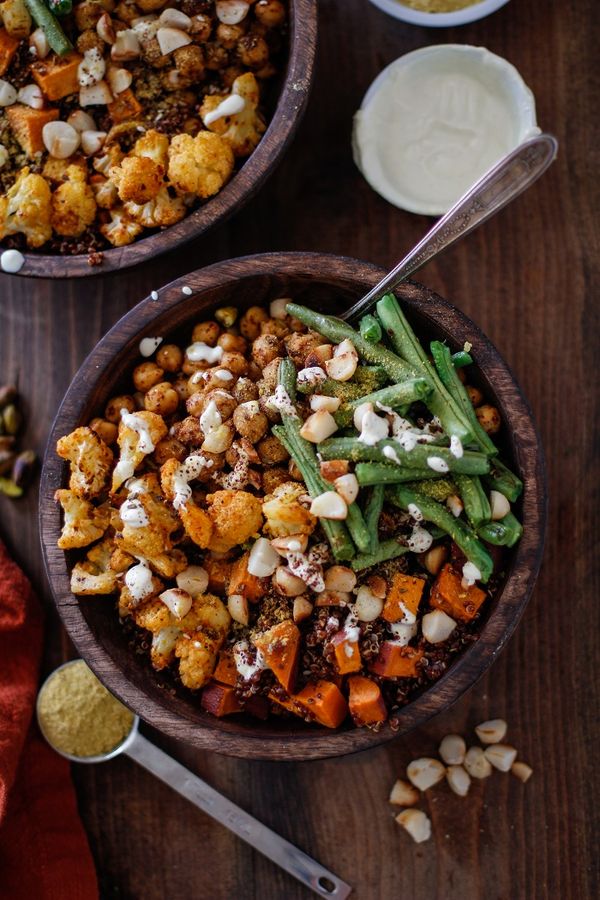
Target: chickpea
[(229, 35), (254, 371), (182, 387), (139, 400), (235, 362), (201, 28), (106, 431), (90, 40), (245, 390), (162, 399), (296, 325), (116, 404), (188, 431), (270, 12), (217, 378), (169, 448), (149, 6), (265, 349), (207, 332), (271, 451), (475, 395), (146, 375), (127, 11), (268, 382), (226, 316), (251, 321), (224, 402), (216, 57), (272, 478), (275, 326), (489, 418), (233, 343), (300, 345), (169, 357), (250, 422), (229, 75), (253, 51), (87, 15)]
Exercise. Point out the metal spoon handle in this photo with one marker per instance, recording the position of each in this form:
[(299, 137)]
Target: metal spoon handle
[(273, 846), (500, 184)]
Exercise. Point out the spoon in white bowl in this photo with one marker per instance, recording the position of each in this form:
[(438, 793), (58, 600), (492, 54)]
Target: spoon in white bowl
[(298, 864), (502, 183)]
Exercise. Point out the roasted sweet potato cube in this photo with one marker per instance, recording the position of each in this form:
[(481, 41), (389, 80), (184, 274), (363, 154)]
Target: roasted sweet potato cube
[(219, 573), (8, 48), (449, 595), (347, 654), (396, 661), (57, 75), (325, 702), (403, 598), (124, 107), (220, 700), (226, 671), (242, 582), (27, 125), (280, 647), (365, 701)]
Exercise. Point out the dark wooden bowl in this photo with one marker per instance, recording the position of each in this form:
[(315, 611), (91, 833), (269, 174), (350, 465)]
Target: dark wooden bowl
[(293, 97), (325, 282)]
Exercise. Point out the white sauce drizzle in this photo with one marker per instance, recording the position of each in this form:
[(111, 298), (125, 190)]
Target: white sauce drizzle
[(374, 429), (282, 402), (186, 472), (12, 261), (403, 632), (132, 513), (242, 655), (471, 574), (438, 464), (311, 375), (420, 540), (149, 344), (201, 352), (138, 581), (210, 419), (136, 423), (231, 106), (456, 447)]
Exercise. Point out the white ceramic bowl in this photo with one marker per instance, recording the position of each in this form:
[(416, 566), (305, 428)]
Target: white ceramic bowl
[(439, 20)]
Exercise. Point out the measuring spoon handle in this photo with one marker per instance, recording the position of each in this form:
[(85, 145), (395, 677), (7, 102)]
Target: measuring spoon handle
[(273, 846)]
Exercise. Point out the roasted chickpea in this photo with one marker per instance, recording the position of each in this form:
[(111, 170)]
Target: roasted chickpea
[(272, 478), (266, 348), (87, 14), (201, 27), (215, 56), (188, 431), (169, 357), (275, 326), (190, 62), (251, 321), (162, 399), (127, 11), (213, 379), (106, 431), (235, 362), (90, 40), (182, 387), (169, 448), (270, 12), (254, 371), (146, 375), (139, 400), (116, 404), (268, 382), (224, 402), (244, 390), (271, 451), (475, 395), (229, 35), (207, 333), (250, 422), (300, 345), (220, 439), (218, 463), (253, 51), (489, 418), (229, 75), (232, 343)]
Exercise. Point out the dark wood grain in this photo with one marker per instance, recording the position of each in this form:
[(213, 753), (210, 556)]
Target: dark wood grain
[(529, 279), (291, 103), (325, 282)]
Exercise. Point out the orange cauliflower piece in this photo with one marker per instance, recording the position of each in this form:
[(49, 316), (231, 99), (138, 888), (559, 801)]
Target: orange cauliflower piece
[(83, 522), (153, 540), (155, 146), (236, 516), (242, 130), (73, 204), (90, 460), (27, 209), (136, 444), (199, 165), (138, 179), (284, 513), (94, 575), (159, 212), (121, 230), (197, 523)]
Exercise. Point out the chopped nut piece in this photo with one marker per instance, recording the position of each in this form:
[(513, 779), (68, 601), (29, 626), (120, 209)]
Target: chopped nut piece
[(501, 756), (522, 771), (403, 794), (458, 780), (476, 763), (491, 732), (452, 749), (416, 823), (425, 772)]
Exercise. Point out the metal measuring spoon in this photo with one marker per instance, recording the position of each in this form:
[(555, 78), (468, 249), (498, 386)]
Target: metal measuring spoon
[(502, 183), (309, 872)]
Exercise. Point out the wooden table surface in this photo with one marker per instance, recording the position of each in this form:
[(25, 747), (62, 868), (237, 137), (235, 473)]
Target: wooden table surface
[(528, 279)]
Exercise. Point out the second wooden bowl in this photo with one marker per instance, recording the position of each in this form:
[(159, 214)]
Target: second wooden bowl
[(324, 282)]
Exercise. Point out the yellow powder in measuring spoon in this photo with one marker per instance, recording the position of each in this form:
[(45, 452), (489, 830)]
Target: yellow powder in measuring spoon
[(438, 6), (78, 715)]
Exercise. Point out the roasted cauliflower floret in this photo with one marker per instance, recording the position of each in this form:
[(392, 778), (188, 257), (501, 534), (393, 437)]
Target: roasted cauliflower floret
[(204, 630), (90, 460), (83, 522), (73, 204), (161, 211), (242, 130), (94, 575), (284, 514), (199, 165), (197, 523), (152, 540), (236, 516), (138, 179), (128, 603), (155, 146), (122, 229), (105, 192), (27, 209), (136, 444)]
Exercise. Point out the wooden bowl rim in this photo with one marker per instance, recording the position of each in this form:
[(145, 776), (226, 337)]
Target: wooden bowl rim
[(246, 182), (218, 734)]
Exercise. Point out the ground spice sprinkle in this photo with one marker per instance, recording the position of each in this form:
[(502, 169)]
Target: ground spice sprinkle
[(78, 715)]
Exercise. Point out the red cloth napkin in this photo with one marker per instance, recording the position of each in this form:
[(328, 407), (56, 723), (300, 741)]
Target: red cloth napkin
[(44, 853)]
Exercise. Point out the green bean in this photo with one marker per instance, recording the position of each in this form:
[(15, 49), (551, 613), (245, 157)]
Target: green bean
[(60, 7), (338, 331), (386, 550), (459, 531), (370, 329), (357, 527), (393, 396), (461, 358), (370, 473), (365, 380), (470, 463), (503, 533), (438, 489), (500, 478), (373, 513), (474, 498), (406, 344), (50, 25)]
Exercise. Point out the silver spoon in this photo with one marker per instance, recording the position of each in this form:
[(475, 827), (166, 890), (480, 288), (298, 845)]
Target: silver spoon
[(500, 184), (309, 872)]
